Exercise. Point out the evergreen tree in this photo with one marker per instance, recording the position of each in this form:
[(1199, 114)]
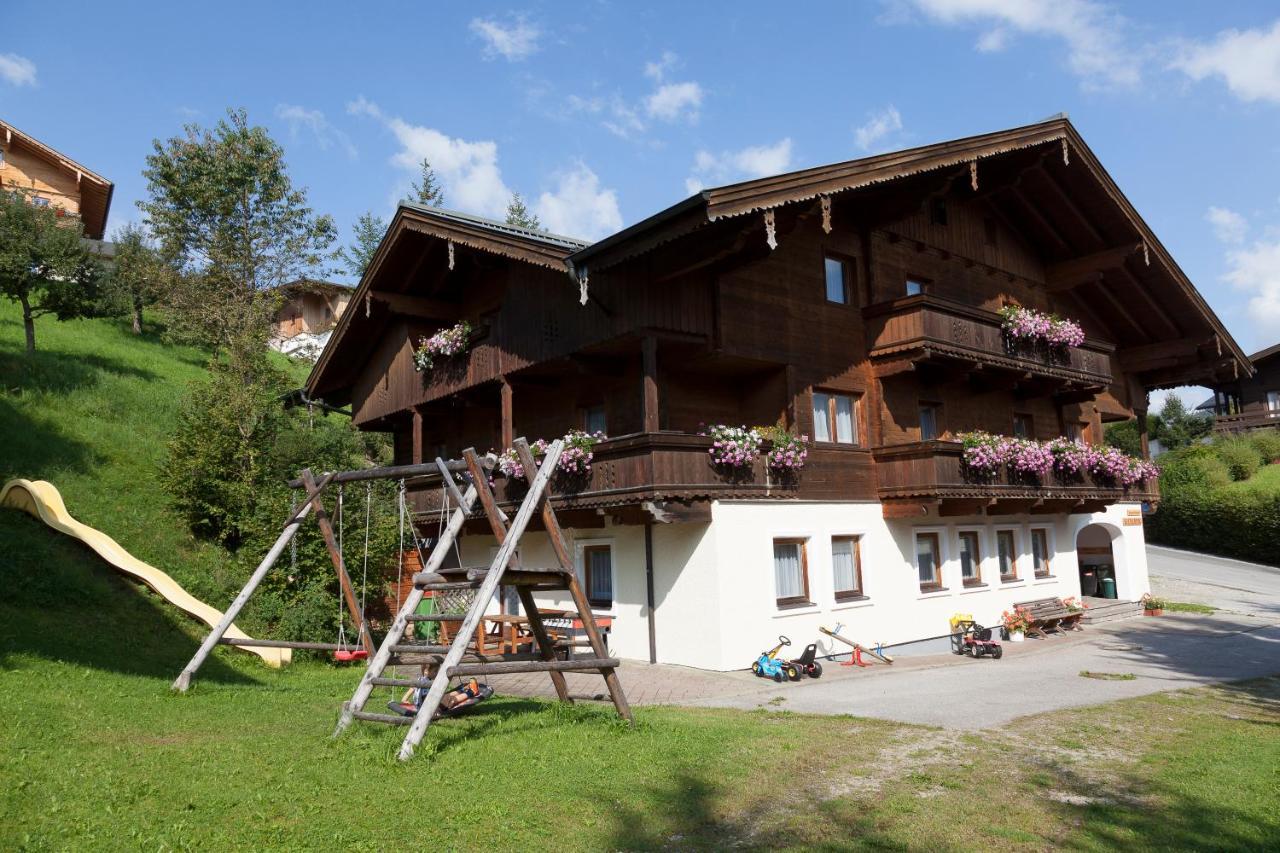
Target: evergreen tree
[(366, 235), (45, 266), (519, 214), (1175, 427), (429, 191)]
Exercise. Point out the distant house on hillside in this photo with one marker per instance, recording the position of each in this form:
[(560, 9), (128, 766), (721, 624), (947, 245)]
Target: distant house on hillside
[(1251, 402), (307, 315), (54, 180)]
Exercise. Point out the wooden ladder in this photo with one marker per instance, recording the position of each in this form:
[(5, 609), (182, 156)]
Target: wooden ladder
[(453, 660)]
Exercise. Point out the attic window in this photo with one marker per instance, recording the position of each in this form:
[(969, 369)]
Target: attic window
[(938, 211)]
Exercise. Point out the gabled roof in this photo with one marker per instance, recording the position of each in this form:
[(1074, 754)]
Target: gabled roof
[(1264, 354), (571, 243), (95, 190)]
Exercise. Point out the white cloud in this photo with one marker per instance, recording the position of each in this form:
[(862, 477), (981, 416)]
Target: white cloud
[(468, 170), (1248, 61), (879, 126), (755, 161), (658, 70), (1091, 31), (17, 70), (326, 135), (1228, 226), (616, 115), (515, 40), (578, 206), (673, 100)]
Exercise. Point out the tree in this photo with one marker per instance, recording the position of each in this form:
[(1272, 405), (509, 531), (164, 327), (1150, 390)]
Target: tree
[(429, 191), (45, 266), (225, 211), (519, 214), (366, 236), (1175, 427), (139, 275)]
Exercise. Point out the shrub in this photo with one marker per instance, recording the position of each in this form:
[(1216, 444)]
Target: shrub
[(1197, 467), (1240, 524), (1267, 443), (1240, 456)]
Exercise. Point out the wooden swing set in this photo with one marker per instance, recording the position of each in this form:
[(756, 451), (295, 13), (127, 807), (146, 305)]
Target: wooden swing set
[(440, 663)]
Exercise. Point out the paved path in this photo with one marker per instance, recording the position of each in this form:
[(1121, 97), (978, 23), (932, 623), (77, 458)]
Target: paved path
[(1227, 584), (1169, 653)]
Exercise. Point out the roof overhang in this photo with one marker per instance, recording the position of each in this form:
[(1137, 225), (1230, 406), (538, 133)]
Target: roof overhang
[(95, 190)]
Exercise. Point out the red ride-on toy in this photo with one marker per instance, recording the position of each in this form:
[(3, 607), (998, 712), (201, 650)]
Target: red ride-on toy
[(806, 664), (973, 639)]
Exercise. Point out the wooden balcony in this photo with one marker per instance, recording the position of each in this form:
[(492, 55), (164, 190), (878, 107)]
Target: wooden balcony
[(924, 328), (932, 473), (669, 476), (1247, 420)]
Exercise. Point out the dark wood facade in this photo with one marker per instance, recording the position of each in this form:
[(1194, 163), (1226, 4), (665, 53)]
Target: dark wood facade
[(1251, 402), (692, 317)]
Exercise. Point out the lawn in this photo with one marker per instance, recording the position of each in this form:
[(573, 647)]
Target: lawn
[(1266, 480), (97, 753)]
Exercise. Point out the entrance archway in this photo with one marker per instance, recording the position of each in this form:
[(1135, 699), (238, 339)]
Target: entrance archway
[(1097, 558)]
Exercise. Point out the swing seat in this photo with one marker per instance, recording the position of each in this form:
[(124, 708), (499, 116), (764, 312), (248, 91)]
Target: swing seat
[(348, 655)]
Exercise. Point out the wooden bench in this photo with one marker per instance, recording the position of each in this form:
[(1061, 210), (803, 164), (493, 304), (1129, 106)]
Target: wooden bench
[(1049, 614)]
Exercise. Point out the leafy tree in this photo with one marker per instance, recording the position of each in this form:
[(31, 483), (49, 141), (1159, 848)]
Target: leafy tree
[(139, 276), (366, 235), (519, 214), (1124, 435), (45, 266), (429, 190), (1174, 427), (224, 209)]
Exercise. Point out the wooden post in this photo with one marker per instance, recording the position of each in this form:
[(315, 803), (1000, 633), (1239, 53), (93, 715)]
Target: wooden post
[(508, 424), (183, 680), (417, 436), (468, 627), (649, 353), (330, 542), (648, 580), (378, 662), (1144, 439), (556, 535), (498, 525)]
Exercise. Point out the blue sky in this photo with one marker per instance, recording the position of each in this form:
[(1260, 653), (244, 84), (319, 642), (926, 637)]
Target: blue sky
[(602, 113)]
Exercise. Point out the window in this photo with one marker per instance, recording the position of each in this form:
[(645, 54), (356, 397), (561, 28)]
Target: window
[(929, 561), (1040, 552), (835, 418), (593, 419), (790, 571), (938, 211), (1, 158), (846, 567), (1075, 431), (930, 417), (915, 287), (1024, 426), (1273, 401), (837, 281), (970, 558), (597, 570), (1007, 551), (40, 201)]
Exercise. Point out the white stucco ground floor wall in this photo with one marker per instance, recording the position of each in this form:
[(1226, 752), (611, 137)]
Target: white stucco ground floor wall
[(715, 599)]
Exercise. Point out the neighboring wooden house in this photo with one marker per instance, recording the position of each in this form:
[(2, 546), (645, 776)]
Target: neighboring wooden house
[(1250, 402), (308, 312), (54, 179), (857, 303)]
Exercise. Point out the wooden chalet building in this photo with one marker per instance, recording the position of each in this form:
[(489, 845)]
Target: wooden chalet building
[(857, 303), (54, 179), (1249, 402)]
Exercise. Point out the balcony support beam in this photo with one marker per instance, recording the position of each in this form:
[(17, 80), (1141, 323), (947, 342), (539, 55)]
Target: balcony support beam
[(1084, 269), (507, 428), (649, 359)]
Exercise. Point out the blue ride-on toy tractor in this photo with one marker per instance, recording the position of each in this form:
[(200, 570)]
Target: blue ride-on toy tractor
[(769, 665)]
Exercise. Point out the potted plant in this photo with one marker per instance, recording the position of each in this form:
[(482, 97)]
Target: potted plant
[(445, 343), (1016, 624), (1074, 605), (1152, 606)]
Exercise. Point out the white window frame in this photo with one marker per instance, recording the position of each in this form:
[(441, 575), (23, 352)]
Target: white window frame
[(1019, 564), (580, 565), (1049, 547), (984, 555)]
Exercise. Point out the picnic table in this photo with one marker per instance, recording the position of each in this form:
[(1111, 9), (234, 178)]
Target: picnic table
[(497, 633)]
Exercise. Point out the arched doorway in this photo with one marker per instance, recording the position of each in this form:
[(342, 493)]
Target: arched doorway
[(1096, 557)]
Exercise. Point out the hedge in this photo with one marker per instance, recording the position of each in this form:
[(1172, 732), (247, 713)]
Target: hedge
[(1240, 524)]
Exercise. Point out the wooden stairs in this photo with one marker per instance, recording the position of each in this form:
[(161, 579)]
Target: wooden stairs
[(441, 663)]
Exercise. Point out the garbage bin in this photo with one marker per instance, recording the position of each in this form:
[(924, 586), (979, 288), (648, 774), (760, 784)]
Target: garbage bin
[(426, 607), (1089, 583), (1108, 587)]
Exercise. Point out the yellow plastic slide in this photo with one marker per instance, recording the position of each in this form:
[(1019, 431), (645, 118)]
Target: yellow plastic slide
[(41, 499)]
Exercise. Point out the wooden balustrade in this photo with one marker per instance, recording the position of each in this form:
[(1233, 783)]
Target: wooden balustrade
[(930, 328)]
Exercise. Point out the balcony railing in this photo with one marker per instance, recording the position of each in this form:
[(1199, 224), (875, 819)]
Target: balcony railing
[(931, 470), (923, 327), (1246, 420)]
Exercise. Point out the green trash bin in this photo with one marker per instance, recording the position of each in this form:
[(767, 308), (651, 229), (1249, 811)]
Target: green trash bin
[(1108, 587), (427, 630)]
